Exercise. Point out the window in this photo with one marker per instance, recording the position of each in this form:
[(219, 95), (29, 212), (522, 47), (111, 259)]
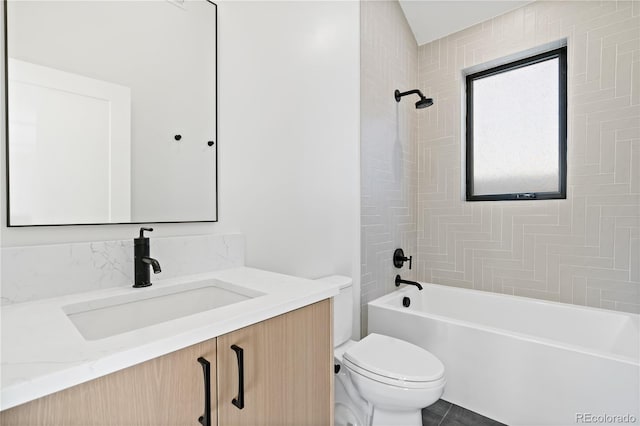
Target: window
[(517, 129)]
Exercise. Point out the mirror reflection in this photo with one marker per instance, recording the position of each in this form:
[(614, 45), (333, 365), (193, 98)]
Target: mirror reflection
[(111, 111)]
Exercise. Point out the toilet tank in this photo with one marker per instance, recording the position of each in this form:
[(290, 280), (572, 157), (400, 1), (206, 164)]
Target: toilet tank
[(342, 308)]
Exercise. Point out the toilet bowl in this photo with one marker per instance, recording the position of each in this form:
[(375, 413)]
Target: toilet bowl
[(395, 378), (380, 380), (349, 407)]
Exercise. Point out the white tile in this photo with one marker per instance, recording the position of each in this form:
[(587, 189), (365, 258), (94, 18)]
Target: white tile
[(564, 242), (623, 74), (389, 55), (635, 167)]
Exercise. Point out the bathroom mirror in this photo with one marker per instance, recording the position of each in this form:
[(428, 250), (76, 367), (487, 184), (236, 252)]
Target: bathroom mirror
[(111, 111)]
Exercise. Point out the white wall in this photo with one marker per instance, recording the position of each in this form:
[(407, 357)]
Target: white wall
[(288, 141), (289, 132), (431, 20)]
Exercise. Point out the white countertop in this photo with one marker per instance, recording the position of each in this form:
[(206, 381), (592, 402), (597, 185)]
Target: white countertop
[(43, 352)]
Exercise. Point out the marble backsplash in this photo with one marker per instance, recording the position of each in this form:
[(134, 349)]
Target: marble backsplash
[(39, 272)]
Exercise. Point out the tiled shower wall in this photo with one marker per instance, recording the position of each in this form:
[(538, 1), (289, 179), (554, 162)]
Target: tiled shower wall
[(583, 250), (389, 61)]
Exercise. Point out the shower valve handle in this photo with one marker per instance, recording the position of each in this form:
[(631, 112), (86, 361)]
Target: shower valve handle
[(399, 258)]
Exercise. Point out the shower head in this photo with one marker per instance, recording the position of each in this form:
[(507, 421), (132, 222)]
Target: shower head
[(422, 103)]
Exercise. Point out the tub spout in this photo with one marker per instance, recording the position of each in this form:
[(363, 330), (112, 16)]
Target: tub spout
[(399, 281)]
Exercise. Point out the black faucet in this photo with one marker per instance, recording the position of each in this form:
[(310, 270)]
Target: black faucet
[(401, 281), (142, 260)]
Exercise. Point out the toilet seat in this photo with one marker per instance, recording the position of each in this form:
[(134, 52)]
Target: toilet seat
[(394, 362), (394, 383)]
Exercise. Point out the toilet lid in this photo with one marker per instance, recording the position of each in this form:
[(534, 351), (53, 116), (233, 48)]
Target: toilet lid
[(396, 359)]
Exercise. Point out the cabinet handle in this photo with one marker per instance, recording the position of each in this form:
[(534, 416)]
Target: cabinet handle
[(239, 401), (205, 419)]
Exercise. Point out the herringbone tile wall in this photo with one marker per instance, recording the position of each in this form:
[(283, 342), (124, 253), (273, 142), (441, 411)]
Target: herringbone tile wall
[(583, 250), (389, 61)]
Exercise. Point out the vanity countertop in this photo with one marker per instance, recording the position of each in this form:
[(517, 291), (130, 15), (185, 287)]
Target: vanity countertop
[(43, 352)]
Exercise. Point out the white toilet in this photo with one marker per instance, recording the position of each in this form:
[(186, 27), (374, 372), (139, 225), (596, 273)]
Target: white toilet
[(380, 380)]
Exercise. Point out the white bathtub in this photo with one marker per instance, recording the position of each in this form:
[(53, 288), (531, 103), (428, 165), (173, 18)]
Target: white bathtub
[(522, 361)]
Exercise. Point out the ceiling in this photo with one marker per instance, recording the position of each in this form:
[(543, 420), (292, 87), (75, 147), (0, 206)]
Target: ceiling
[(431, 20)]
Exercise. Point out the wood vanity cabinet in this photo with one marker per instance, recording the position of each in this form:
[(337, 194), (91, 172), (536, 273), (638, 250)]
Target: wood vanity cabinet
[(165, 391), (288, 370), (287, 365)]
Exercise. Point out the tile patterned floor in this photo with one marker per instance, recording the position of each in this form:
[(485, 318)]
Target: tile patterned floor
[(444, 413)]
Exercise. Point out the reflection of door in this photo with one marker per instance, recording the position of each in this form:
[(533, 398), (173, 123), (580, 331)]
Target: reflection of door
[(69, 147)]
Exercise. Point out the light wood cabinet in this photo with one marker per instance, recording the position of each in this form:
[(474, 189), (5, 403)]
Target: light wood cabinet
[(288, 380), (288, 370), (165, 391)]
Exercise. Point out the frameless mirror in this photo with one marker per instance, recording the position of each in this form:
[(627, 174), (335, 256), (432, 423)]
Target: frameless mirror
[(111, 111)]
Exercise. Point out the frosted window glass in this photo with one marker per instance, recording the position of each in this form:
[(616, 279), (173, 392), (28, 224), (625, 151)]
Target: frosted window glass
[(515, 130)]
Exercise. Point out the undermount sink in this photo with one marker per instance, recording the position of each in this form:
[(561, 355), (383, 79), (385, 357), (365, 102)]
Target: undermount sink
[(100, 318)]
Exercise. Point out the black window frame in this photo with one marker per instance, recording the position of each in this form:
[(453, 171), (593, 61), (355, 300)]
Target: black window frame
[(561, 54)]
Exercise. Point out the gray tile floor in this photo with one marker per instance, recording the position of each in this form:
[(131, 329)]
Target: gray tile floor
[(444, 413)]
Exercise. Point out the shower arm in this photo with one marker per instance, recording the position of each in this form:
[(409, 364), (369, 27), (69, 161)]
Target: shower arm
[(399, 94)]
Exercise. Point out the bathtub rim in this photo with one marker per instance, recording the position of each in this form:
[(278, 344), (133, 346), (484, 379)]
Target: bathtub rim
[(383, 302)]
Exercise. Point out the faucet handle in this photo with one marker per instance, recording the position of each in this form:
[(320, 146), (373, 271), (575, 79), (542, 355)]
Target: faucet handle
[(144, 229), (399, 258)]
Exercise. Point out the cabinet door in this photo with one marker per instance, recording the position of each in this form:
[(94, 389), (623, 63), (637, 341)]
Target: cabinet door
[(288, 370), (165, 391)]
